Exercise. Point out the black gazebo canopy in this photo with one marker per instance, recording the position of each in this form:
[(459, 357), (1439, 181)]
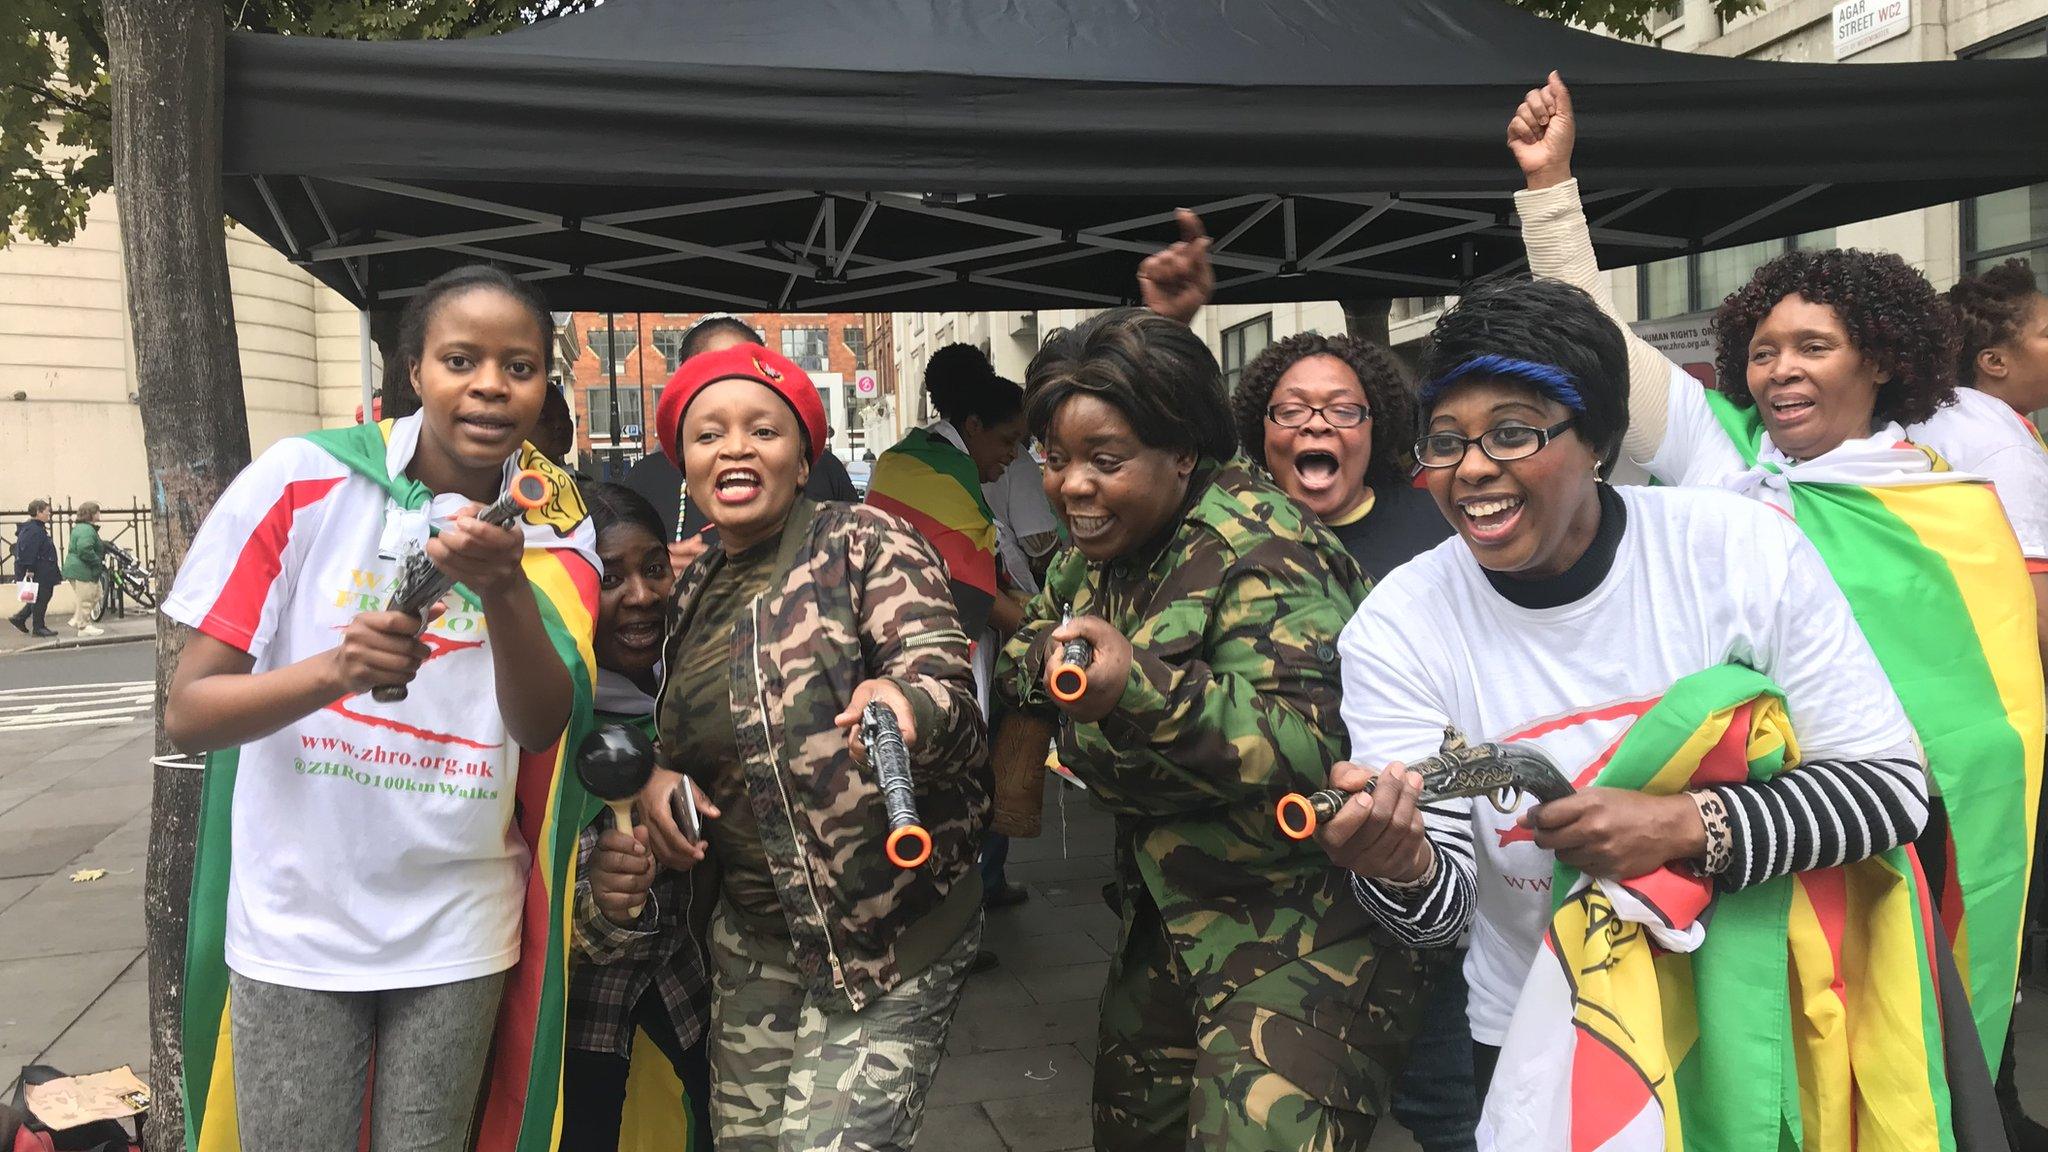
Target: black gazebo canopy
[(879, 155)]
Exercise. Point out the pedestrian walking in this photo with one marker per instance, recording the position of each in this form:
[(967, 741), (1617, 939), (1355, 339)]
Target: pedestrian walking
[(35, 560), (84, 565)]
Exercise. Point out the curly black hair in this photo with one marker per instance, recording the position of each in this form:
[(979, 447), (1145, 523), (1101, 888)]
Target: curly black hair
[(1379, 374), (1890, 310), (1989, 309)]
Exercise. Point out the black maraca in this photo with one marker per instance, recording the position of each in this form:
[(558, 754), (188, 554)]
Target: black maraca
[(614, 762)]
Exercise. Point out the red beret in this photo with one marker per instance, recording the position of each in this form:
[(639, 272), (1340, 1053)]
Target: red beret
[(740, 362)]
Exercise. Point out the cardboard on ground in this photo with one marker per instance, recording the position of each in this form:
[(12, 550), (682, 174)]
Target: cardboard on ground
[(74, 1100)]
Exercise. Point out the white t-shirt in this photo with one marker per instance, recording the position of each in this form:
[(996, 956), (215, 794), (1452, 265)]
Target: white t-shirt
[(1982, 435), (1700, 578), (373, 843), (1977, 434)]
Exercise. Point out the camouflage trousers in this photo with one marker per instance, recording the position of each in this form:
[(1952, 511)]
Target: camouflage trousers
[(791, 1076), (1301, 1058)]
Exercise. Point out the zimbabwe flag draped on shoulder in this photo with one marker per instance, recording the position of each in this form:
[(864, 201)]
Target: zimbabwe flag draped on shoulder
[(1934, 575), (932, 484), (520, 1102), (1803, 1012)]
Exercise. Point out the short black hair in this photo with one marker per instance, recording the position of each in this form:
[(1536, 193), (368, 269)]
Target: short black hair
[(1154, 370), (1545, 322), (556, 416), (615, 504), (962, 383), (419, 311), (1989, 309), (1379, 374), (1891, 313), (703, 330)]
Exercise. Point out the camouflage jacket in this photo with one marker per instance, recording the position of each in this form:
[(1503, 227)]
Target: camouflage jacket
[(1232, 702), (856, 595)]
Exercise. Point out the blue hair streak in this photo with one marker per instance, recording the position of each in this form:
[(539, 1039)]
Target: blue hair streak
[(1548, 379)]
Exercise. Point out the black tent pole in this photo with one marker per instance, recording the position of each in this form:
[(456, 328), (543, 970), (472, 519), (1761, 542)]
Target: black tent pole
[(611, 374), (640, 381)]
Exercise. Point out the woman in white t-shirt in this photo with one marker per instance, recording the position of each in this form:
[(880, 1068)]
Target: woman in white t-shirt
[(1834, 399), (1564, 608), (378, 853)]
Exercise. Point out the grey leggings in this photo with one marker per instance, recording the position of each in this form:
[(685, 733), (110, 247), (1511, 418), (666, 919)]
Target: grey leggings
[(302, 1062)]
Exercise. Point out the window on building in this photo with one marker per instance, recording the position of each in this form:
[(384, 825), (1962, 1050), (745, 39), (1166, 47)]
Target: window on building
[(2003, 225), (601, 413), (856, 338), (1411, 307), (614, 346), (669, 342), (1241, 343), (1700, 282), (808, 348)]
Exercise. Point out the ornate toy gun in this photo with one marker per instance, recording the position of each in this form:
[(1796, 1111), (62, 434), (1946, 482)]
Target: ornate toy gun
[(420, 583), (1503, 773), (909, 845)]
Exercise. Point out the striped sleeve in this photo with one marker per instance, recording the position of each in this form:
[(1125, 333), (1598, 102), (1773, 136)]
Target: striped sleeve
[(1824, 813), (1435, 916), (238, 574)]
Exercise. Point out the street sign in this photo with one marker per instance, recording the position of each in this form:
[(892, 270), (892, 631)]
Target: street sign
[(632, 431), (865, 383), (1861, 24)]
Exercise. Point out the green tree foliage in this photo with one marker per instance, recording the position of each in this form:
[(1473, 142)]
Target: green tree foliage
[(1625, 18), (55, 122)]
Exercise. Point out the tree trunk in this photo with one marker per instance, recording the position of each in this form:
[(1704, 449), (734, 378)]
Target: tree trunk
[(167, 62), (1368, 319), (394, 394)]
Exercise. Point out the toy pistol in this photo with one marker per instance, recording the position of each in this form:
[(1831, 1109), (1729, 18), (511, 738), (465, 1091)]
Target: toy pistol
[(1070, 667), (420, 583), (909, 845), (1503, 773)]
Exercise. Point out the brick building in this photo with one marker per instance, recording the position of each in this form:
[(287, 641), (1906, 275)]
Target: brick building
[(640, 350)]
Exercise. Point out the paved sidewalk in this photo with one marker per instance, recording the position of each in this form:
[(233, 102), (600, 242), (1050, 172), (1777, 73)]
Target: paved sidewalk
[(72, 976), (138, 625), (1015, 1079)]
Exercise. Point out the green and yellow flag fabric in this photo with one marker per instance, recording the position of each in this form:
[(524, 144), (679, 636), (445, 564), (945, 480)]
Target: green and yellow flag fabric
[(932, 484), (1803, 1012), (1935, 578)]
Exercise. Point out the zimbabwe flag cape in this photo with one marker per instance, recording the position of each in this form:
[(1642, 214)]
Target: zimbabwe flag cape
[(522, 1089), (1934, 575), (934, 485), (1803, 1012)]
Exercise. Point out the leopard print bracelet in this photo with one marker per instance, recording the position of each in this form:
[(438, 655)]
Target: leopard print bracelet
[(1720, 841)]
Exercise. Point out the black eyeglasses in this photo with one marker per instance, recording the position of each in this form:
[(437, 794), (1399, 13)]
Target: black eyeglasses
[(1503, 444), (1336, 415)]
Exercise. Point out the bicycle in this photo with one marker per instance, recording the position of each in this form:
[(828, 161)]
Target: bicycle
[(124, 579)]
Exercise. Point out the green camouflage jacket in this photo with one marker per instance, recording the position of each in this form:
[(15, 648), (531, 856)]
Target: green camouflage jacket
[(857, 595), (1232, 702)]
